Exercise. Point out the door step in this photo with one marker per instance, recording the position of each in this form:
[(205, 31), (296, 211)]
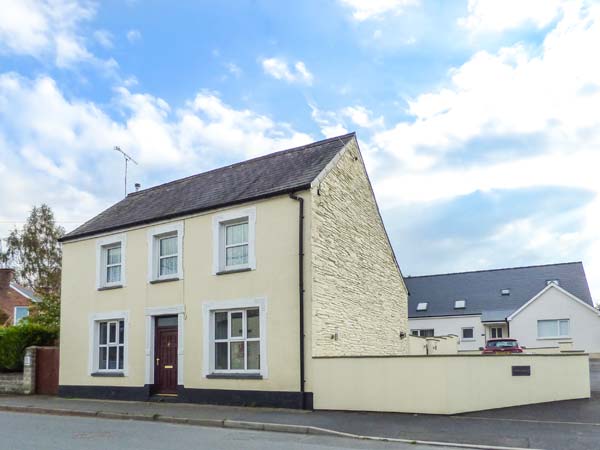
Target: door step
[(166, 398)]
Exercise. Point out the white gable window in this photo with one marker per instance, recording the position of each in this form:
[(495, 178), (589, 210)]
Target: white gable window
[(233, 241), (554, 281), (235, 338), (165, 247), (111, 262), (108, 343), (422, 306), (20, 313), (460, 304), (553, 329)]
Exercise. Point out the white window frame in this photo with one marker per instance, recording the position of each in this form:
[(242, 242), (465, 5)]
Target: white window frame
[(154, 236), (15, 314), (422, 306), (419, 330), (460, 304), (94, 341), (501, 332), (558, 335), (152, 313), (208, 313), (462, 334), (102, 246), (220, 221)]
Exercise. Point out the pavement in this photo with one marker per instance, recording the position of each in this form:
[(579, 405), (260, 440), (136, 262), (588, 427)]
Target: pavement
[(566, 425), (34, 432)]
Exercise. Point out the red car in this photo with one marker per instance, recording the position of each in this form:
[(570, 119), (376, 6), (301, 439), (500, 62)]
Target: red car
[(502, 346)]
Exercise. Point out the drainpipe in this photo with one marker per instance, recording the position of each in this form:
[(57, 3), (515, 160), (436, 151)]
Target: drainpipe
[(300, 201)]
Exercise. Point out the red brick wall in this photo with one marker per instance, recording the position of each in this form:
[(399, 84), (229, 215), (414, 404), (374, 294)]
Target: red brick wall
[(9, 298)]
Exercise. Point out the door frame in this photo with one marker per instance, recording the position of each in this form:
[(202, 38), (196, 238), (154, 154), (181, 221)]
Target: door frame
[(151, 314), (169, 329)]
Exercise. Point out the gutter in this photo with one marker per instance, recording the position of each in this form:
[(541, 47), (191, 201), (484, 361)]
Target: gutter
[(300, 201)]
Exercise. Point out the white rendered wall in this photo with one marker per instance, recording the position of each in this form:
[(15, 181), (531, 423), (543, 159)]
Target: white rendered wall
[(584, 323), (453, 325)]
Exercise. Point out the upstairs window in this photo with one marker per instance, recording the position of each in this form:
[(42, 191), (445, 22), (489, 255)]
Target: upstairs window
[(167, 255), (234, 241), (460, 304), (422, 306), (505, 292), (20, 313), (165, 247), (111, 262), (236, 244)]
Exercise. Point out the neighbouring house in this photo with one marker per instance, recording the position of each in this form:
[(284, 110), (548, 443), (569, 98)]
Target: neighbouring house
[(541, 306), (15, 300), (224, 286)]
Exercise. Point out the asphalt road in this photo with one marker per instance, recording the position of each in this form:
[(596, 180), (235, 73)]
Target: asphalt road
[(44, 432)]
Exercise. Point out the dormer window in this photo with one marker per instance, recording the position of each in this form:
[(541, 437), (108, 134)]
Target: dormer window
[(422, 306), (555, 281), (505, 291), (460, 304)]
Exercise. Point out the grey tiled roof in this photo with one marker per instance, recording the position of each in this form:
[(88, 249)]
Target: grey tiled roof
[(482, 289), (277, 173)]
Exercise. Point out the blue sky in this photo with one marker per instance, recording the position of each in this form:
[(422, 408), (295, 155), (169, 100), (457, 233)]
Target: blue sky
[(479, 119)]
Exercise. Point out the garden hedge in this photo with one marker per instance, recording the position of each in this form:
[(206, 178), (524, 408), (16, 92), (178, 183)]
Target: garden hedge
[(14, 340)]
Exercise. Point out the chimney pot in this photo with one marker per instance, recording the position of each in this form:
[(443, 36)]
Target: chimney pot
[(137, 186), (6, 276)]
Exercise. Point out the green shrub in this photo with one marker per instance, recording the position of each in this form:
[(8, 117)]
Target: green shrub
[(14, 340)]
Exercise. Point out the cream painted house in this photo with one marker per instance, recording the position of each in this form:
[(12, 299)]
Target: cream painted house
[(222, 287), (541, 306)]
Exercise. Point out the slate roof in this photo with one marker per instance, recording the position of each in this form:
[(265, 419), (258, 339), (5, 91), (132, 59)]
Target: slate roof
[(482, 289), (25, 292), (274, 174)]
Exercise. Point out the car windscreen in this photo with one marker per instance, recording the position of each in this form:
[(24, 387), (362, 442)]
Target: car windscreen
[(502, 344)]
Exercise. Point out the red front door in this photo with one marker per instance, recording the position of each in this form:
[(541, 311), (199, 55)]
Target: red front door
[(165, 364)]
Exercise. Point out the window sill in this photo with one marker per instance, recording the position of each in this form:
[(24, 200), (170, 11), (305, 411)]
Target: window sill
[(236, 376), (225, 272), (164, 280), (109, 288), (467, 340), (108, 374), (555, 338)]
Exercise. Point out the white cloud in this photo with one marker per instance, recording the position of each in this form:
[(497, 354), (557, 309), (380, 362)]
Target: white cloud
[(234, 69), (330, 123), (281, 70), (104, 38), (58, 150), (362, 117), (548, 99), (134, 36), (45, 28), (372, 9), (500, 15)]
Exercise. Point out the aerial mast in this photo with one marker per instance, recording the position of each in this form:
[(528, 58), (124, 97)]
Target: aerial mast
[(127, 159)]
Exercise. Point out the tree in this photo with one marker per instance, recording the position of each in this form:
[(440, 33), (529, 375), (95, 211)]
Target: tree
[(35, 253), (46, 312)]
